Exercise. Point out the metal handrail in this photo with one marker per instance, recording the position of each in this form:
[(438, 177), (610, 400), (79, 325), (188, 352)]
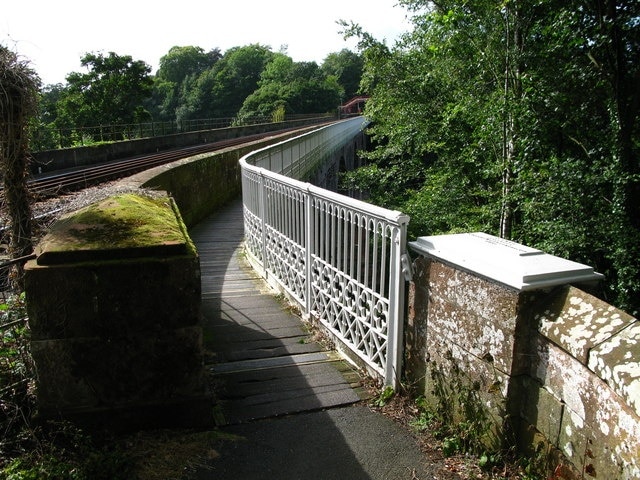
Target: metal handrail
[(339, 258)]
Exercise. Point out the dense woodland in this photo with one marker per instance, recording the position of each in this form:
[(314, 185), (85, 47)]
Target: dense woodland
[(516, 118), (190, 84)]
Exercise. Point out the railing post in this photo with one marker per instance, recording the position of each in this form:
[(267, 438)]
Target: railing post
[(263, 221), (395, 322), (309, 247)]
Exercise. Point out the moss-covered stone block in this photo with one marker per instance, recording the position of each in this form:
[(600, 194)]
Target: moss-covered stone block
[(118, 227), (114, 308)]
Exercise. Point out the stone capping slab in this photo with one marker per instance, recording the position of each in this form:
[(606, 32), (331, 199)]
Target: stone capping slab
[(617, 362), (577, 322), (123, 226), (517, 266)]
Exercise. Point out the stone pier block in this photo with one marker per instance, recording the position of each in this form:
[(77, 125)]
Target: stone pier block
[(114, 309)]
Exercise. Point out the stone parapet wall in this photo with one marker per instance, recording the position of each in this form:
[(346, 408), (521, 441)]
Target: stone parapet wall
[(465, 345), (202, 183), (587, 364), (549, 366)]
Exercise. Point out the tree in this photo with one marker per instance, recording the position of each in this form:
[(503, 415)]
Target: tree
[(346, 66), (219, 91), (616, 26), (111, 92), (49, 122), (176, 78), (582, 200), (235, 77), (18, 103), (518, 118), (298, 87), (182, 62)]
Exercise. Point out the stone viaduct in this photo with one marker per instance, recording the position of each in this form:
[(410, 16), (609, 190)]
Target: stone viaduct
[(536, 363)]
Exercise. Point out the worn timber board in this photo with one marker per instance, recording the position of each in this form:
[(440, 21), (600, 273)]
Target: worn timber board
[(261, 358)]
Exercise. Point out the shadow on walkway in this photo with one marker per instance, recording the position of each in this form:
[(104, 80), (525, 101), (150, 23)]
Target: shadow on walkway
[(287, 409)]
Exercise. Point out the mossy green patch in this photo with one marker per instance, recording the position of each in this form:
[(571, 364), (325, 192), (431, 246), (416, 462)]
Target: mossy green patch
[(127, 222)]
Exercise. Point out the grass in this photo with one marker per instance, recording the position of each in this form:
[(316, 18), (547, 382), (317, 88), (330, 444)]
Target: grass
[(443, 445)]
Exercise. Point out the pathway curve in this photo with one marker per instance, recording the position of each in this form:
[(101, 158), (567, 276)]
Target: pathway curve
[(274, 385), (263, 360)]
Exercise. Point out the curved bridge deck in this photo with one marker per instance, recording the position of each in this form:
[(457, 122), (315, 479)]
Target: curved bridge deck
[(262, 360)]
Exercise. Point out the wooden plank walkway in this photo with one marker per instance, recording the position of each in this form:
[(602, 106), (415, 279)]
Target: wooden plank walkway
[(262, 360)]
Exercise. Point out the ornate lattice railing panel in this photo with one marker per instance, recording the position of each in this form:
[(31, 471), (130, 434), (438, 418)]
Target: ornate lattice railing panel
[(285, 236), (352, 312), (252, 208), (340, 258)]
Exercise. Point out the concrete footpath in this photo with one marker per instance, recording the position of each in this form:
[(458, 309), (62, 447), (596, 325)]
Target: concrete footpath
[(285, 407)]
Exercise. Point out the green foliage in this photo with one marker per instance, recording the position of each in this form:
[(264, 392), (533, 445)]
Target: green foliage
[(16, 366), (524, 120), (233, 78), (111, 92), (299, 87), (180, 63), (65, 453), (384, 397), (278, 114), (346, 66), (458, 418)]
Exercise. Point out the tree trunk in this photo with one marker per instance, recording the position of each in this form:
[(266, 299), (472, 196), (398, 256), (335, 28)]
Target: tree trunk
[(18, 89), (17, 202), (512, 96), (624, 77)]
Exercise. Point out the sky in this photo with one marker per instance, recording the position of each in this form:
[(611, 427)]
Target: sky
[(53, 35)]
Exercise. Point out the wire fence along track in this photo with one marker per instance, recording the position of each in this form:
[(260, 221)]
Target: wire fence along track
[(47, 137), (64, 181)]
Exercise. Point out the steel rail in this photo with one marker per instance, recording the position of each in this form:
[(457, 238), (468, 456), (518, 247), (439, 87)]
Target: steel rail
[(66, 181)]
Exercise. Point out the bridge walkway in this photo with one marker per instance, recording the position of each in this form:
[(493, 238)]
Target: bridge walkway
[(262, 359)]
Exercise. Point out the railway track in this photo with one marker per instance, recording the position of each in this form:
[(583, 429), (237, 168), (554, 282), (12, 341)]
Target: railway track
[(46, 187), (56, 183)]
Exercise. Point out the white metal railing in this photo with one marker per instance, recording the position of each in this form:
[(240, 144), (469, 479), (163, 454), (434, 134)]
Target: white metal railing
[(341, 259)]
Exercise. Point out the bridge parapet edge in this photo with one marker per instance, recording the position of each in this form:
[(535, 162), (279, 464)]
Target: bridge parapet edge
[(548, 364)]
